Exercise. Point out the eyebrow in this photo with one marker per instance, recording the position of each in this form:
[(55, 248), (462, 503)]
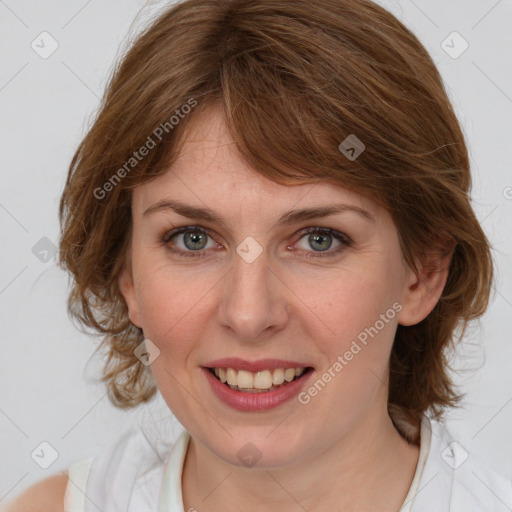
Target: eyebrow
[(287, 218)]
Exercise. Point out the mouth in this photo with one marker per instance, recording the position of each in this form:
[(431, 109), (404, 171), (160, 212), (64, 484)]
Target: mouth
[(258, 382), (256, 386)]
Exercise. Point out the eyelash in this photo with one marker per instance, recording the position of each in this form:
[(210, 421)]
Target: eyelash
[(341, 237)]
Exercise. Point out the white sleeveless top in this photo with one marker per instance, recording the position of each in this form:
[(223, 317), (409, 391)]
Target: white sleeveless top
[(132, 477)]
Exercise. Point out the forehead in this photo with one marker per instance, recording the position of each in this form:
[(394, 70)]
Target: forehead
[(210, 170)]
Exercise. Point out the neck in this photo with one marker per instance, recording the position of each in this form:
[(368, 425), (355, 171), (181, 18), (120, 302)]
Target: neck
[(354, 474)]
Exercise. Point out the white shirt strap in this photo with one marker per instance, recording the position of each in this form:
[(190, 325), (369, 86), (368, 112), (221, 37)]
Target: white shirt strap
[(78, 473)]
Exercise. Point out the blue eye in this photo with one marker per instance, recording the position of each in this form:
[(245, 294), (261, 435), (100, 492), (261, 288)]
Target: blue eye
[(321, 240), (193, 239), (193, 242)]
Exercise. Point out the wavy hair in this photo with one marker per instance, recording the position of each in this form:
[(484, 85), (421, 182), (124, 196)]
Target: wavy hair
[(294, 79)]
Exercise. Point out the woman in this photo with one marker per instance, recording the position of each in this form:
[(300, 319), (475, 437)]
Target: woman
[(269, 223)]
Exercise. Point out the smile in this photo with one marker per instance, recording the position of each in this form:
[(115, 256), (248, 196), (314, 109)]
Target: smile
[(257, 382), (256, 385)]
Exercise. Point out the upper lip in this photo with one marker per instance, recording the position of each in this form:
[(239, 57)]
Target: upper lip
[(254, 366)]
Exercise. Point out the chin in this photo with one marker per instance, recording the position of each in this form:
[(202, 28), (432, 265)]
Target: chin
[(263, 447)]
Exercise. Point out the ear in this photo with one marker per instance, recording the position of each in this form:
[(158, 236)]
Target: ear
[(424, 289), (128, 291)]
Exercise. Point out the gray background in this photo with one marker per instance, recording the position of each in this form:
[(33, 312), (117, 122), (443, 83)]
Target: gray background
[(46, 388)]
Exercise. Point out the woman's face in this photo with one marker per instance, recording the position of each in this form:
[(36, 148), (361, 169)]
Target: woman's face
[(229, 271)]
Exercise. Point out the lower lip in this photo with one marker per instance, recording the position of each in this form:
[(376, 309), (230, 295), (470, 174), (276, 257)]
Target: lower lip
[(263, 401)]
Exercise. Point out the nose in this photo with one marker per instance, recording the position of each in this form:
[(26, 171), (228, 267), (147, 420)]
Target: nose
[(254, 303)]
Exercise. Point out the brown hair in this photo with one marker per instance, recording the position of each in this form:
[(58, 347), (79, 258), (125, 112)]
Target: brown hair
[(294, 78)]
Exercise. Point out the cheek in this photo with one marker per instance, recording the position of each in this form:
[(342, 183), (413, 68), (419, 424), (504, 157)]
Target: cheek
[(355, 334), (171, 306), (353, 318), (344, 303)]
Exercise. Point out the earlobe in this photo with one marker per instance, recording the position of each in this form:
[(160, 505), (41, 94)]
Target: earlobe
[(424, 290), (127, 288)]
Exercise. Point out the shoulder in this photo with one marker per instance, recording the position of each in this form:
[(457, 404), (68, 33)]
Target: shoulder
[(107, 475), (45, 496), (128, 474)]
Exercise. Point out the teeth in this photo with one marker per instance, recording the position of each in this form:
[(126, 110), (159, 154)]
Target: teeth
[(244, 379), (278, 376), (289, 374), (265, 380), (231, 376)]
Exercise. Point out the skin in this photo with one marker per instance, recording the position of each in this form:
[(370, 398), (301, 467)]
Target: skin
[(44, 496), (341, 450)]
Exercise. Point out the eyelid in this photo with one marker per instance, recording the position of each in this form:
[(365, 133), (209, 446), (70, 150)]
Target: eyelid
[(344, 240), (168, 235), (171, 233), (320, 229)]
